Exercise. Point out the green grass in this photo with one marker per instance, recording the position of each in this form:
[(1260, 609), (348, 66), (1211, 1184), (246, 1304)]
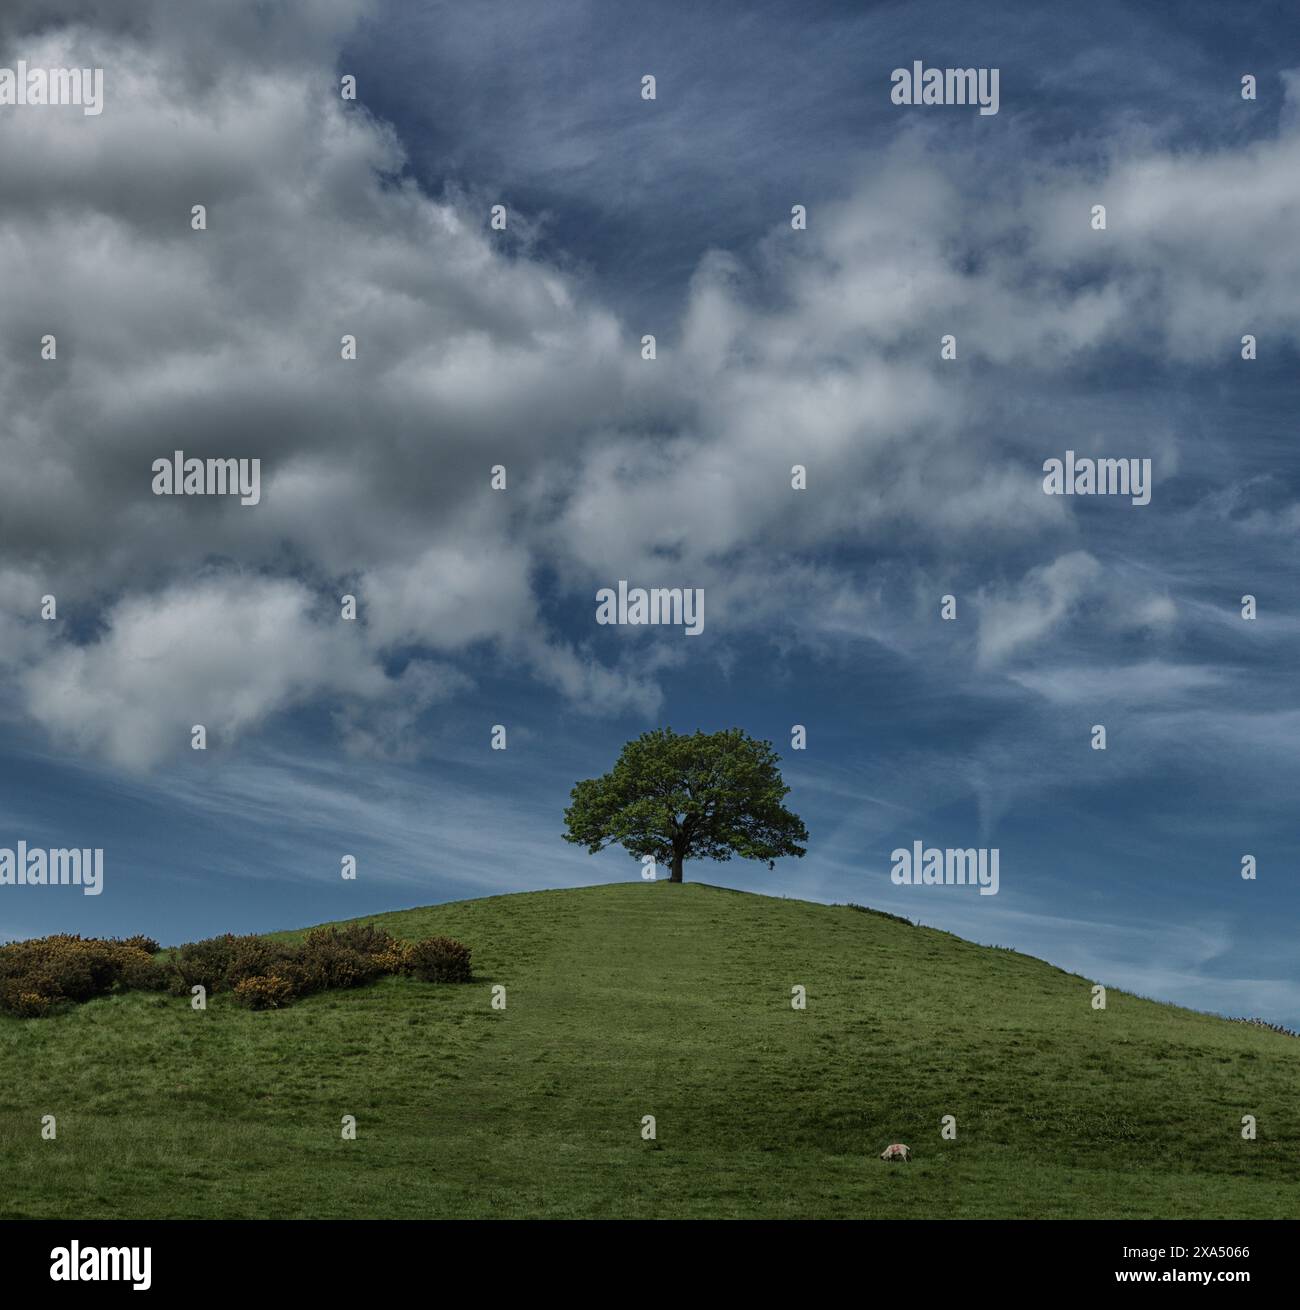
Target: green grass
[(673, 1001)]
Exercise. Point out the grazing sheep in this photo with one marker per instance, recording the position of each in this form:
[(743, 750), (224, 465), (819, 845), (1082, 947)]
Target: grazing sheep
[(897, 1151)]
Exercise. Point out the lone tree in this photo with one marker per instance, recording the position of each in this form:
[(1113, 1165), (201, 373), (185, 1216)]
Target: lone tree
[(676, 798)]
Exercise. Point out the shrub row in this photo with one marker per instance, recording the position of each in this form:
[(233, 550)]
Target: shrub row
[(39, 975)]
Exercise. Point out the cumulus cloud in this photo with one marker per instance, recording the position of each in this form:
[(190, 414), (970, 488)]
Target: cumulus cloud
[(225, 653), (817, 348)]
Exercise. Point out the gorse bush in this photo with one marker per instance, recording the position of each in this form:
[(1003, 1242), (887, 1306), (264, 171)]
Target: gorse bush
[(264, 991), (362, 937), (202, 964), (440, 959), (222, 963), (25, 1005), (142, 973), (256, 957), (40, 976), (326, 962), (142, 943), (396, 957)]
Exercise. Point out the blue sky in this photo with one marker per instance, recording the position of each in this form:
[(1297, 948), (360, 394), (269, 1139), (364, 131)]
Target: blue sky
[(775, 347)]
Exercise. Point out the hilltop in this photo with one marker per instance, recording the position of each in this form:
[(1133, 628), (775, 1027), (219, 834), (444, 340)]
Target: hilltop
[(638, 999)]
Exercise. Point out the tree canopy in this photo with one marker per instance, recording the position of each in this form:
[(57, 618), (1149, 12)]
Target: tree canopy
[(676, 797)]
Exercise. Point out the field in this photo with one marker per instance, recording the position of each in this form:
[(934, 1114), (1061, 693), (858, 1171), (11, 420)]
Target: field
[(639, 999)]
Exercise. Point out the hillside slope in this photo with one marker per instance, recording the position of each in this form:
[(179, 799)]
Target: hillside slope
[(639, 999)]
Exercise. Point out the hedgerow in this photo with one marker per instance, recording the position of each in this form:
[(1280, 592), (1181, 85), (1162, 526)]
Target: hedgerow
[(46, 974)]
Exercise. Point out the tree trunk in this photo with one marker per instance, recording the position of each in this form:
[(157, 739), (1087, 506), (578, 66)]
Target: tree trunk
[(677, 868)]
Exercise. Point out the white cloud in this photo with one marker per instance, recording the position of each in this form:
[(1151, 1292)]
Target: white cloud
[(820, 348), (225, 653), (1131, 685), (1013, 618)]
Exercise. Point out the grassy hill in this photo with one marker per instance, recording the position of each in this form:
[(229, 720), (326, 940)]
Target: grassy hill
[(651, 999)]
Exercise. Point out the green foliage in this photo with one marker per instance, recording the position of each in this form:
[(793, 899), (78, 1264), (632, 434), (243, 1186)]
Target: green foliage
[(142, 973), (264, 992), (255, 957), (142, 943), (40, 976), (676, 797), (440, 959), (364, 938), (325, 961), (203, 963), (397, 957), (23, 1003)]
